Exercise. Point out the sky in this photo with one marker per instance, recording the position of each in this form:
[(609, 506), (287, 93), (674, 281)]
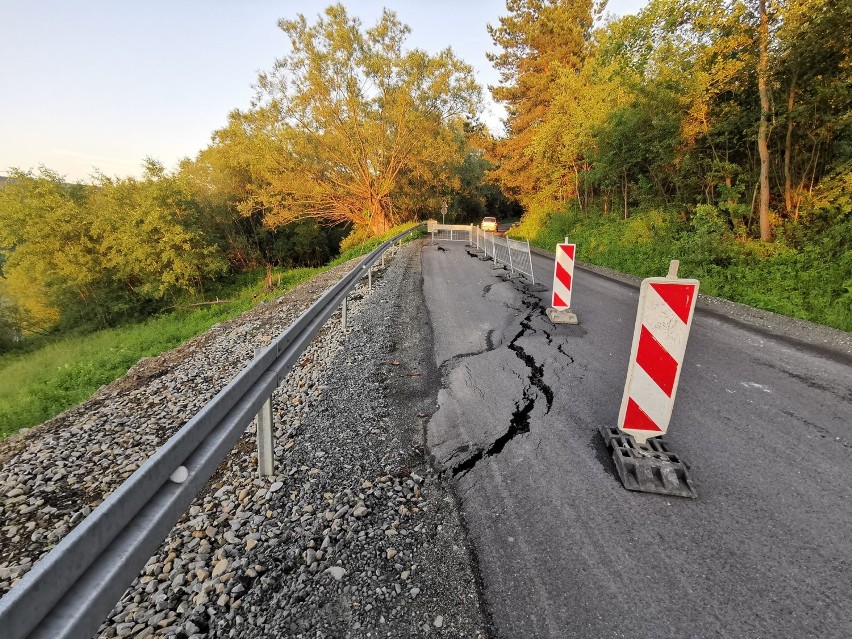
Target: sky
[(103, 84)]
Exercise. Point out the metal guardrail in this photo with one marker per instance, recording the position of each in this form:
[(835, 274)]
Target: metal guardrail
[(71, 590)]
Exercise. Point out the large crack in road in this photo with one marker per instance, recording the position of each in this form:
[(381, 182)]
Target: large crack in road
[(519, 423), (550, 472)]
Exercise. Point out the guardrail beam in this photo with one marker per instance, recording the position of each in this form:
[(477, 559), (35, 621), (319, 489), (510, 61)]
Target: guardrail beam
[(69, 591)]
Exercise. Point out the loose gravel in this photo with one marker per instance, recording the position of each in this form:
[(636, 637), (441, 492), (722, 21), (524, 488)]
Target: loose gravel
[(355, 535)]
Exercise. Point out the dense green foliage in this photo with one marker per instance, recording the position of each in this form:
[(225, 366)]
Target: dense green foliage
[(662, 107), (117, 250), (99, 253), (639, 138), (47, 375), (805, 273)]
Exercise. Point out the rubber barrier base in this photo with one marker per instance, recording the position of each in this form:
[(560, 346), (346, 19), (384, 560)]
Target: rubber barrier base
[(649, 467)]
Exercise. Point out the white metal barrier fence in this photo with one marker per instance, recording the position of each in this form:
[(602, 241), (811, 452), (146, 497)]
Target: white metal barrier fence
[(521, 258), (451, 232), (513, 254), (483, 242)]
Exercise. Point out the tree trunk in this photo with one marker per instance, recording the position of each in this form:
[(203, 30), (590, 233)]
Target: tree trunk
[(378, 216), (577, 187), (268, 283), (788, 150), (763, 130)]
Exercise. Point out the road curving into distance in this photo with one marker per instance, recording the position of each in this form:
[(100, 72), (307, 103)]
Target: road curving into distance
[(563, 550)]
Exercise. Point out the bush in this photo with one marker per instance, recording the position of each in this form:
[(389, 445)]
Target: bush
[(806, 274)]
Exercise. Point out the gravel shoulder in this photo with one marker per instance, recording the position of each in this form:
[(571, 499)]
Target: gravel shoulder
[(355, 536)]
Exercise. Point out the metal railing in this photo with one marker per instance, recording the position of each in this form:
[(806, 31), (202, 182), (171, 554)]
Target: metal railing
[(483, 242), (451, 232), (515, 255), (71, 590)]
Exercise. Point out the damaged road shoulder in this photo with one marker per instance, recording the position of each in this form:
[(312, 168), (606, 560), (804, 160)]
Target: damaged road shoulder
[(505, 383)]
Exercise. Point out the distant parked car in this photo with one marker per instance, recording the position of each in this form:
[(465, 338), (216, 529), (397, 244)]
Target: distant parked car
[(489, 224)]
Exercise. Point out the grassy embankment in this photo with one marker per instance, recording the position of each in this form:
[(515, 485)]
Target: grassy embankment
[(809, 278), (50, 374)]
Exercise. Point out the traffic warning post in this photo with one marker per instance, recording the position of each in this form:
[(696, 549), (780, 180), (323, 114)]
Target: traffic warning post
[(663, 319), (563, 281)]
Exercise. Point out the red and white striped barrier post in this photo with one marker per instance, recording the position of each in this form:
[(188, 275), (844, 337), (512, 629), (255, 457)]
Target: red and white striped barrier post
[(663, 319), (563, 281)]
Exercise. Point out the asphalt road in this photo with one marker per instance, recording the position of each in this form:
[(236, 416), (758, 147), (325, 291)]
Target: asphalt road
[(563, 550)]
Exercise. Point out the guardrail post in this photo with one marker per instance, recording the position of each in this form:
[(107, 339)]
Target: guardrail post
[(370, 278), (343, 310), (383, 258), (265, 440), (509, 251)]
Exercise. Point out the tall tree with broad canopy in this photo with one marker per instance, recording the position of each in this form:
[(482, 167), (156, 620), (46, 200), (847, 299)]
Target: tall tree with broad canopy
[(348, 122), (540, 40)]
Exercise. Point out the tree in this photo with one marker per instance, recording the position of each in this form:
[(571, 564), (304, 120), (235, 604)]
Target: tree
[(150, 235), (349, 118), (813, 69), (96, 254), (539, 40), (50, 251), (763, 132)]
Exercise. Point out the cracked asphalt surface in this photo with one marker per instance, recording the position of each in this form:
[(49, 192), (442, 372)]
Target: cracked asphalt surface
[(562, 549)]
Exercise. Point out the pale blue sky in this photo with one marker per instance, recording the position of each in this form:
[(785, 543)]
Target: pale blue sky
[(105, 83)]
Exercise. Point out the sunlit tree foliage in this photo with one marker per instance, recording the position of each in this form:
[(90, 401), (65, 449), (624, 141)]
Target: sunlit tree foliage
[(350, 126)]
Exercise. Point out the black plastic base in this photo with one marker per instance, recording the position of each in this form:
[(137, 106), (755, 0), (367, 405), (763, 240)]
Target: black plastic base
[(649, 467)]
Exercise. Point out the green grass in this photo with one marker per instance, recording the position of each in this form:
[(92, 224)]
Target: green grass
[(810, 280), (58, 372), (48, 375)]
